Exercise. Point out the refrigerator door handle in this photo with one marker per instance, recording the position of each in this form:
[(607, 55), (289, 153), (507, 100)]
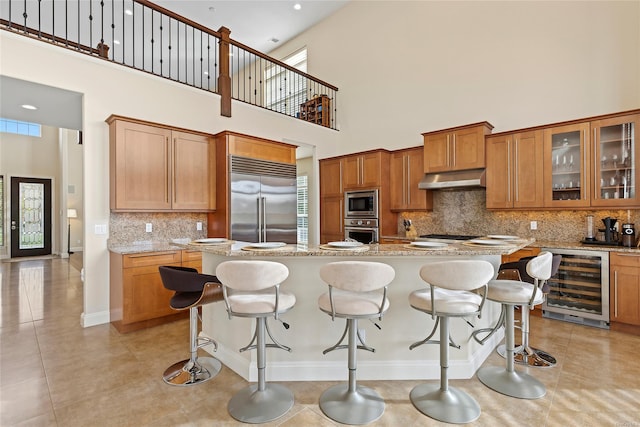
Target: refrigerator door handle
[(264, 219), (260, 225)]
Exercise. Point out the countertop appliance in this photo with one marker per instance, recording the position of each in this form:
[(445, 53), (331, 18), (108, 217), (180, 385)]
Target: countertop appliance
[(610, 233), (579, 292), (263, 200)]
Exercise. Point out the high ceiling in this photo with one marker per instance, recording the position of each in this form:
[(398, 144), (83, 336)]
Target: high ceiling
[(256, 23)]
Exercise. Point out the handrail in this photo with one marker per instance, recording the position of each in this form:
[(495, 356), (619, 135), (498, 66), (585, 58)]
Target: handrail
[(152, 39)]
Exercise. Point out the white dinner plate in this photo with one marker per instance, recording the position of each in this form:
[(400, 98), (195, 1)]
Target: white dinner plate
[(488, 242), (212, 240), (422, 244), (345, 244), (502, 237), (267, 245)]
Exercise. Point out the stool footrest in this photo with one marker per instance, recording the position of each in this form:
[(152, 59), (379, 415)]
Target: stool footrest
[(529, 356)]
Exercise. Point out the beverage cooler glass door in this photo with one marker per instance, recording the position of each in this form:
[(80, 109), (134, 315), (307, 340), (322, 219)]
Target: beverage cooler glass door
[(569, 166), (579, 292), (614, 161)]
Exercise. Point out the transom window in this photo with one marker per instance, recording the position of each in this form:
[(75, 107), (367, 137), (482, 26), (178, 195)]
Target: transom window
[(20, 128), (284, 89)]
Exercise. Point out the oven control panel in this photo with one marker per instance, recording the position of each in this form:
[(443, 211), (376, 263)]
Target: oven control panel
[(361, 222)]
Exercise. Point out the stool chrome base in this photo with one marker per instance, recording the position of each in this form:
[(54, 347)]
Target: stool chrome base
[(185, 372), (529, 356), (514, 384), (254, 406), (450, 406), (362, 406)]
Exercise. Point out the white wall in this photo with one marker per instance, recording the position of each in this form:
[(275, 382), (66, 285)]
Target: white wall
[(408, 67), (403, 68)]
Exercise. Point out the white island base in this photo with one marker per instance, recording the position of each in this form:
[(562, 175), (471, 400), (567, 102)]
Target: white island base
[(312, 331)]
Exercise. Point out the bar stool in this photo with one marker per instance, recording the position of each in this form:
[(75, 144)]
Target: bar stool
[(357, 290), (449, 295), (252, 289), (192, 290), (510, 293), (524, 354)]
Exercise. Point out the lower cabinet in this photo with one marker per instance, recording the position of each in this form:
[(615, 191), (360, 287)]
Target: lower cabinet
[(624, 293), (138, 299)]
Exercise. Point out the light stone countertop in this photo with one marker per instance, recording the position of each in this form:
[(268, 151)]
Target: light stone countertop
[(240, 249)]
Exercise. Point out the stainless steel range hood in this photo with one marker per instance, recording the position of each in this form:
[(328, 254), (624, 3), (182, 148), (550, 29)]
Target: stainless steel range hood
[(471, 178)]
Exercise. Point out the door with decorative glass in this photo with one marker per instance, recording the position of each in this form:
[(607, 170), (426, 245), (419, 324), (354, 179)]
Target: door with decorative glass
[(30, 217)]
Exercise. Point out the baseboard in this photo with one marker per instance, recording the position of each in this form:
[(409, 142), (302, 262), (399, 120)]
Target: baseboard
[(93, 319)]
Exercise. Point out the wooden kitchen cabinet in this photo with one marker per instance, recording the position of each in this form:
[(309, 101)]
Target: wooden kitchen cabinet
[(365, 170), (515, 170), (331, 219), (458, 148), (155, 168), (592, 163), (624, 298), (331, 177), (138, 299), (406, 169)]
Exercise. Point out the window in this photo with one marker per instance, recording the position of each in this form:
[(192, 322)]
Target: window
[(20, 128), (284, 89), (1, 210), (303, 209)]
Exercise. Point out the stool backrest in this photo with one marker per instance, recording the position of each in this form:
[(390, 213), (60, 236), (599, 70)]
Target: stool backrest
[(357, 276), (250, 276), (460, 275), (540, 267), (184, 279)]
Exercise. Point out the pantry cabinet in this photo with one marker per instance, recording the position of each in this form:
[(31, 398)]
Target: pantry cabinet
[(624, 270), (515, 171), (405, 172), (458, 148), (138, 299), (331, 200), (157, 168)]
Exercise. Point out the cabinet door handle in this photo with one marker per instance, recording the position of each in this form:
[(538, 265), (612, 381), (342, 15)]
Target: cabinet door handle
[(627, 255), (407, 190), (615, 294), (453, 152), (171, 173), (448, 157), (596, 194), (584, 172), (515, 171), (508, 171)]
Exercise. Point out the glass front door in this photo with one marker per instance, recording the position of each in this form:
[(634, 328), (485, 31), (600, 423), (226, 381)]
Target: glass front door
[(30, 217)]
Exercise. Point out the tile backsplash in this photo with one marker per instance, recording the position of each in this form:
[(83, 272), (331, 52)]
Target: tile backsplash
[(464, 212)]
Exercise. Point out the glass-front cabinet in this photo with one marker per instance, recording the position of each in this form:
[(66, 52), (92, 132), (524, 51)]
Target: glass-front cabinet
[(614, 162), (567, 171), (592, 163)]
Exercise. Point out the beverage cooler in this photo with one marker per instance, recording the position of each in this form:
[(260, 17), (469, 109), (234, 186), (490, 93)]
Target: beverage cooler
[(579, 292)]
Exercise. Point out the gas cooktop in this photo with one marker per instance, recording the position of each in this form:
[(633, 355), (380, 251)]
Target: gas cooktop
[(448, 236)]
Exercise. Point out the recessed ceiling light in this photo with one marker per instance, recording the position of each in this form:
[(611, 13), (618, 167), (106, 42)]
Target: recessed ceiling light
[(116, 41), (29, 107), (297, 6), (128, 12)]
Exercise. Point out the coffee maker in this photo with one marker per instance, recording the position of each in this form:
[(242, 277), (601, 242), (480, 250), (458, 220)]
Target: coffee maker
[(610, 231)]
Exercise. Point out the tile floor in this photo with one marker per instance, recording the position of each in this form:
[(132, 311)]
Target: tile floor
[(55, 373)]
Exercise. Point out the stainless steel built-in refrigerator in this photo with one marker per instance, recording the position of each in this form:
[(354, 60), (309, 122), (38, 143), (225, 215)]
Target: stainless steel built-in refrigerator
[(263, 201)]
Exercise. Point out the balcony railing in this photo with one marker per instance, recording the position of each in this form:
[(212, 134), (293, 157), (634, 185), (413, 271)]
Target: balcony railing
[(142, 35)]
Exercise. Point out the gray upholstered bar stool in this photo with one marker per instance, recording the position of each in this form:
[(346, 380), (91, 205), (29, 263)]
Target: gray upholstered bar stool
[(510, 293), (192, 290), (252, 289), (357, 290), (450, 294)]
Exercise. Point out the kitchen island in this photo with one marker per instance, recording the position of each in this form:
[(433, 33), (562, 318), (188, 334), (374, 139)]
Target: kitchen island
[(311, 331)]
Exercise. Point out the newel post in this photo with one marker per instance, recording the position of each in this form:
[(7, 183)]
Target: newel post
[(224, 78)]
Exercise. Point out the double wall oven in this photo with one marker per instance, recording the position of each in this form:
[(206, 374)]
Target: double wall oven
[(361, 216)]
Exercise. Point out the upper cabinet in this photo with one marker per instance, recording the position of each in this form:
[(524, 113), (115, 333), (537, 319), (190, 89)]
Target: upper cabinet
[(157, 168), (365, 170), (331, 177), (514, 174), (406, 169), (455, 149), (592, 163)]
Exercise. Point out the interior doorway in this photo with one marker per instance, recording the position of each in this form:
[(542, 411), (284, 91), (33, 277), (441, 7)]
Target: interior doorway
[(30, 217)]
